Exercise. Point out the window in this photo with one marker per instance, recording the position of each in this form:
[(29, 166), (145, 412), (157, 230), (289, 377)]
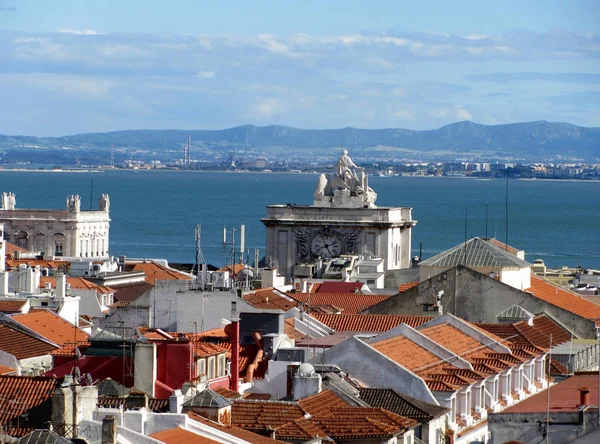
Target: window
[(211, 367), (40, 243), (221, 365), (58, 248), (201, 366)]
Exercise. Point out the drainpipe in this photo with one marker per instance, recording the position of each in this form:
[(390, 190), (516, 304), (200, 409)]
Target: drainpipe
[(235, 348)]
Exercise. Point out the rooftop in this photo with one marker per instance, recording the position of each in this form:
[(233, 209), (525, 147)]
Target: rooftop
[(401, 404), (22, 345), (340, 287), (405, 352), (12, 305), (565, 299), (564, 396), (269, 299), (233, 431), (178, 435), (156, 272), (348, 302), (21, 393), (322, 403), (476, 253), (368, 322), (76, 283), (51, 326)]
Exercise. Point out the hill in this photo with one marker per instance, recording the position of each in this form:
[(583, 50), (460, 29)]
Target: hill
[(531, 140)]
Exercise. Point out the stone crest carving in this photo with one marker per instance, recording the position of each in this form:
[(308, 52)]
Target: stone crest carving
[(74, 203), (347, 187), (326, 242), (104, 203), (8, 201)]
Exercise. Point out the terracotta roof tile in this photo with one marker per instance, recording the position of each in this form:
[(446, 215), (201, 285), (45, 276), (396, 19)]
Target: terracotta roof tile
[(322, 403), (13, 264), (368, 322), (6, 370), (68, 349), (340, 287), (290, 329), (21, 345), (11, 248), (455, 340), (269, 299), (77, 283), (178, 435), (156, 272), (565, 299), (440, 386), (363, 423), (204, 349), (564, 396), (408, 286), (51, 326), (349, 303), (233, 431), (299, 429), (12, 305), (503, 246), (539, 333), (262, 415), (22, 393), (226, 393), (405, 352)]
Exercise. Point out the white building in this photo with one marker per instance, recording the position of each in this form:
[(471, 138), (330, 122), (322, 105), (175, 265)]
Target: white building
[(57, 233)]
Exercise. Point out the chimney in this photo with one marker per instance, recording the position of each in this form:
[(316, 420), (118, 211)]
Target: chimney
[(3, 283), (584, 396), (109, 430), (235, 348), (61, 285)]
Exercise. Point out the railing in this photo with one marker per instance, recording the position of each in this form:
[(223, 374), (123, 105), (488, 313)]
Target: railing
[(418, 441)]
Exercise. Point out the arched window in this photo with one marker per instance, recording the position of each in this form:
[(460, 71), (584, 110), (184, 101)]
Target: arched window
[(22, 239), (59, 244)]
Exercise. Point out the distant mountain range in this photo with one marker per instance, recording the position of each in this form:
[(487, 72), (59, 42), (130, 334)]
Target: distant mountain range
[(531, 140)]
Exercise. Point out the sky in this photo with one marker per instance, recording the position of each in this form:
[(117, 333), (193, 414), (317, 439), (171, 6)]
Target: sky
[(70, 67)]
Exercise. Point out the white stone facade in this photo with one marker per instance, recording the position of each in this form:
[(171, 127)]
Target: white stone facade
[(300, 234), (69, 233)]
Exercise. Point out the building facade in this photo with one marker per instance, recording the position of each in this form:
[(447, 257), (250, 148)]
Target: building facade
[(72, 232)]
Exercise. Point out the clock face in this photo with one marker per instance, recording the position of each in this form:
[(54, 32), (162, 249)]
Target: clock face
[(325, 246)]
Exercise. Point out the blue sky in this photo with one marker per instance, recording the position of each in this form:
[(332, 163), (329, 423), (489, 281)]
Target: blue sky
[(89, 66)]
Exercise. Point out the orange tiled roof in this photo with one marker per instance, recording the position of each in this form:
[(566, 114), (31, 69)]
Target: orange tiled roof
[(233, 431), (204, 349), (289, 328), (12, 248), (455, 340), (322, 403), (178, 435), (539, 333), (339, 287), (68, 349), (348, 302), (262, 415), (368, 322), (301, 429), (565, 299), (226, 393), (19, 394), (404, 287), (12, 264), (156, 272), (269, 299), (22, 345), (363, 423), (503, 246), (12, 305), (51, 326), (77, 283), (236, 268), (405, 352), (6, 370)]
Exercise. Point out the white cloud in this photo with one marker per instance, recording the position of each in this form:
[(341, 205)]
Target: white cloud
[(440, 113), (206, 74), (78, 31), (462, 114), (476, 37), (265, 109), (404, 115)]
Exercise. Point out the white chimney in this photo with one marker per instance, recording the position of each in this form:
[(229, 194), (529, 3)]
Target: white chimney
[(61, 285), (3, 283), (30, 282)]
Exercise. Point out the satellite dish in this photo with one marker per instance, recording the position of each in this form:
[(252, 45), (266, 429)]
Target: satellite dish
[(77, 353), (77, 372), (89, 379)]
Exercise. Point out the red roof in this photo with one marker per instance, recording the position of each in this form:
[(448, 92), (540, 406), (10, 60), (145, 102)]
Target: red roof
[(156, 272), (503, 246), (6, 370), (76, 283), (348, 302), (21, 345), (564, 396), (233, 431), (368, 322), (51, 326), (178, 435), (12, 305), (19, 394), (565, 299), (269, 299), (407, 286), (322, 403), (262, 415), (340, 287)]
